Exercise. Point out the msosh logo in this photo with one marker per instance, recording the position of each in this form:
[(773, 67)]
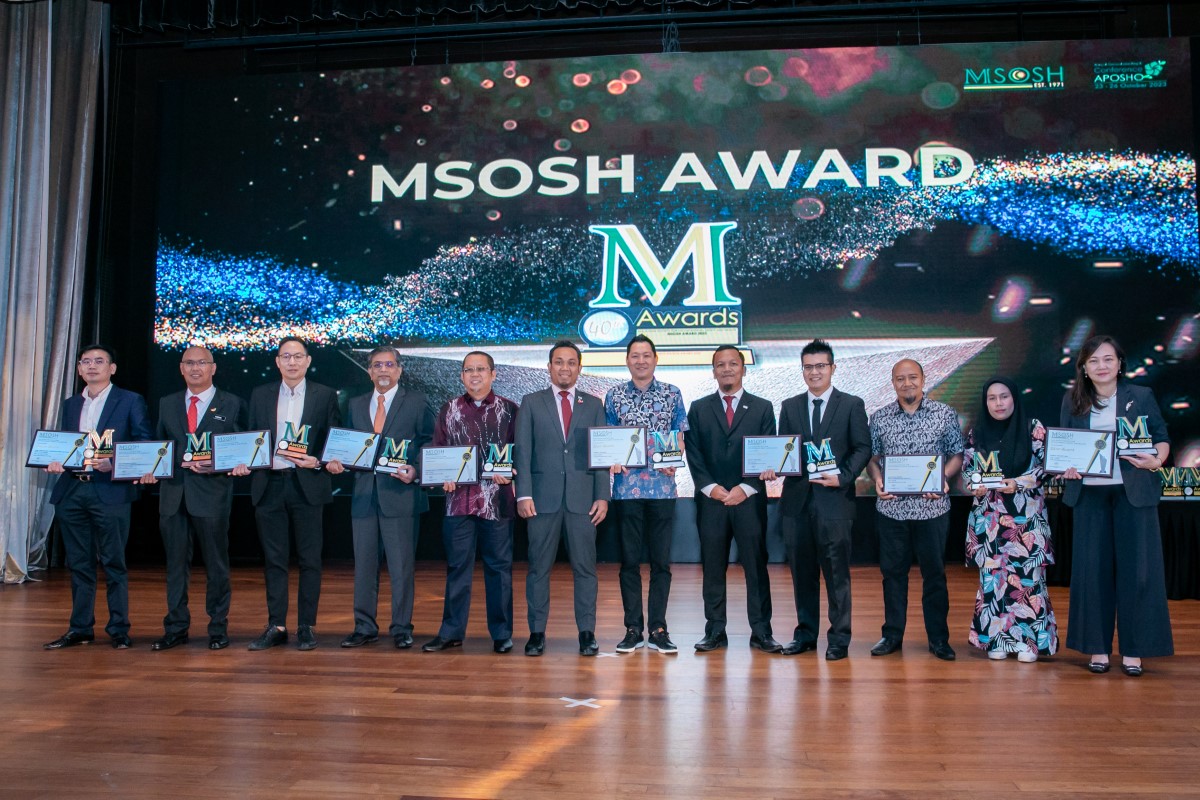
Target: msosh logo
[(1129, 75), (1009, 78)]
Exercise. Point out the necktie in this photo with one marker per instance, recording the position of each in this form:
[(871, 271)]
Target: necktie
[(380, 414), (195, 401), (816, 420), (566, 412), (729, 411)]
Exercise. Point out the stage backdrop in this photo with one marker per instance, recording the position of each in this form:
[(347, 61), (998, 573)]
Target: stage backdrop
[(982, 208)]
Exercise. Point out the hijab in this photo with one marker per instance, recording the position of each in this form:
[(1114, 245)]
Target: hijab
[(1010, 438)]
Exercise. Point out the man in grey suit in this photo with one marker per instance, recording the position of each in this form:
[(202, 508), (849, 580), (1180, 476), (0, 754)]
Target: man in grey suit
[(386, 505), (818, 507), (557, 491)]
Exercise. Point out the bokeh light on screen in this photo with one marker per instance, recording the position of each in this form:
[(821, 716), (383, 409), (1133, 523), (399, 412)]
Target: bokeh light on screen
[(757, 76), (1010, 300)]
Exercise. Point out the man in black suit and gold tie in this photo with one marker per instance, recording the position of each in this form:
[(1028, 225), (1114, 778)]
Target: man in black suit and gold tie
[(818, 507), (730, 507), (556, 491), (386, 505), (193, 506), (291, 496)]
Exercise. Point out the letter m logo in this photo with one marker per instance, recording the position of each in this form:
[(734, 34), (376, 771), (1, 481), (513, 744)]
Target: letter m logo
[(1132, 430), (814, 452), (499, 454), (394, 449), (101, 441), (986, 462), (703, 246), (299, 435)]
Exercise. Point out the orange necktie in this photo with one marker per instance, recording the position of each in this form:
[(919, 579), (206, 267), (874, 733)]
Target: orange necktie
[(380, 415)]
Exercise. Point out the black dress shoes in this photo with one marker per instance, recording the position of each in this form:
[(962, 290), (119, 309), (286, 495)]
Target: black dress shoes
[(942, 650), (536, 644), (403, 641), (358, 639), (712, 642), (70, 639), (306, 637), (766, 643), (886, 646), (796, 647), (587, 644), (121, 641), (437, 644), (1099, 667), (169, 641), (835, 652), (1132, 670), (271, 637), (502, 645), (218, 642)]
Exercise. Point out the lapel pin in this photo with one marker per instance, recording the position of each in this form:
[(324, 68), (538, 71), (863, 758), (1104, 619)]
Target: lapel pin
[(1129, 405)]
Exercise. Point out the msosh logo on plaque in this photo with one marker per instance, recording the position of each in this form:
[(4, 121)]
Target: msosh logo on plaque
[(685, 333)]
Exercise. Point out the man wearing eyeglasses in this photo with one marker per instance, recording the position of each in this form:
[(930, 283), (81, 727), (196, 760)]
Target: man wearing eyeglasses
[(386, 505), (194, 505), (290, 497), (818, 508), (480, 514), (93, 511)]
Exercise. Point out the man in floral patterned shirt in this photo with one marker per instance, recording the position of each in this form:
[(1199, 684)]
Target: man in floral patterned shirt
[(644, 498), (480, 512)]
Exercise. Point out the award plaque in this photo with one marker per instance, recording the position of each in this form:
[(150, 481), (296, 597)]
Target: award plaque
[(64, 447), (624, 445), (449, 465), (1180, 483), (132, 460), (497, 461), (99, 446), (198, 449), (778, 453), (818, 458), (1133, 436), (984, 471), (1089, 451), (666, 452), (912, 474), (295, 440), (393, 454)]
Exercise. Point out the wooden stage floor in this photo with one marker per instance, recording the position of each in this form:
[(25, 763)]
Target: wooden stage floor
[(376, 722)]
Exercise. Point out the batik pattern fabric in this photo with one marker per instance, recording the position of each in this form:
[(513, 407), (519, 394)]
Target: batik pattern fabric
[(659, 408), (1008, 539), (463, 422)]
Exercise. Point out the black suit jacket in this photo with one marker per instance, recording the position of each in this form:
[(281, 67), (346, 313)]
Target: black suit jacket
[(126, 414), (320, 412), (409, 418), (714, 449), (844, 423), (202, 494), (1143, 487)]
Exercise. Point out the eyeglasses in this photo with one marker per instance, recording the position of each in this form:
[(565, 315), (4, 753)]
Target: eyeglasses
[(382, 364), (817, 367), (192, 364), (88, 362), (293, 356), (475, 370)]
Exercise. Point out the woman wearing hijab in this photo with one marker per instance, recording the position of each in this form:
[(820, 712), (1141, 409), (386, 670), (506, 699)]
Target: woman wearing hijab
[(1117, 573), (1008, 537)]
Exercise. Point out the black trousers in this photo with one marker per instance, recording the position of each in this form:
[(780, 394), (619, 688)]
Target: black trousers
[(180, 533), (649, 524), (282, 513), (92, 529), (720, 525), (899, 539), (819, 546), (1117, 575), (461, 534)]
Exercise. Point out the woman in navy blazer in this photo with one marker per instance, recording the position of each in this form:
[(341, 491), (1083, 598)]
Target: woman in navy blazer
[(1118, 565)]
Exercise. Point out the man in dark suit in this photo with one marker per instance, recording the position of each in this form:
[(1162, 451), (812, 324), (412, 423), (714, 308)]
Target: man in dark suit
[(557, 491), (194, 505), (291, 496), (386, 505), (818, 508), (730, 507), (92, 510)]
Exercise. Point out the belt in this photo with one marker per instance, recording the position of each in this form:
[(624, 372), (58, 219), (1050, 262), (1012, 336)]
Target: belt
[(82, 477)]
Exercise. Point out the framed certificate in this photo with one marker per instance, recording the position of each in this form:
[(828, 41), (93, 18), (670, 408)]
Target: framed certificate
[(354, 449), (914, 474), (252, 448), (453, 464), (132, 460), (617, 445), (65, 447), (762, 453), (1089, 451)]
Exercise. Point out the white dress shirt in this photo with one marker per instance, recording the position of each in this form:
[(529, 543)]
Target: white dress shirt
[(289, 408)]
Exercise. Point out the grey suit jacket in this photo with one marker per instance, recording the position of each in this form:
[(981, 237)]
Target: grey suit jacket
[(844, 423), (409, 418), (1143, 487), (551, 470)]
